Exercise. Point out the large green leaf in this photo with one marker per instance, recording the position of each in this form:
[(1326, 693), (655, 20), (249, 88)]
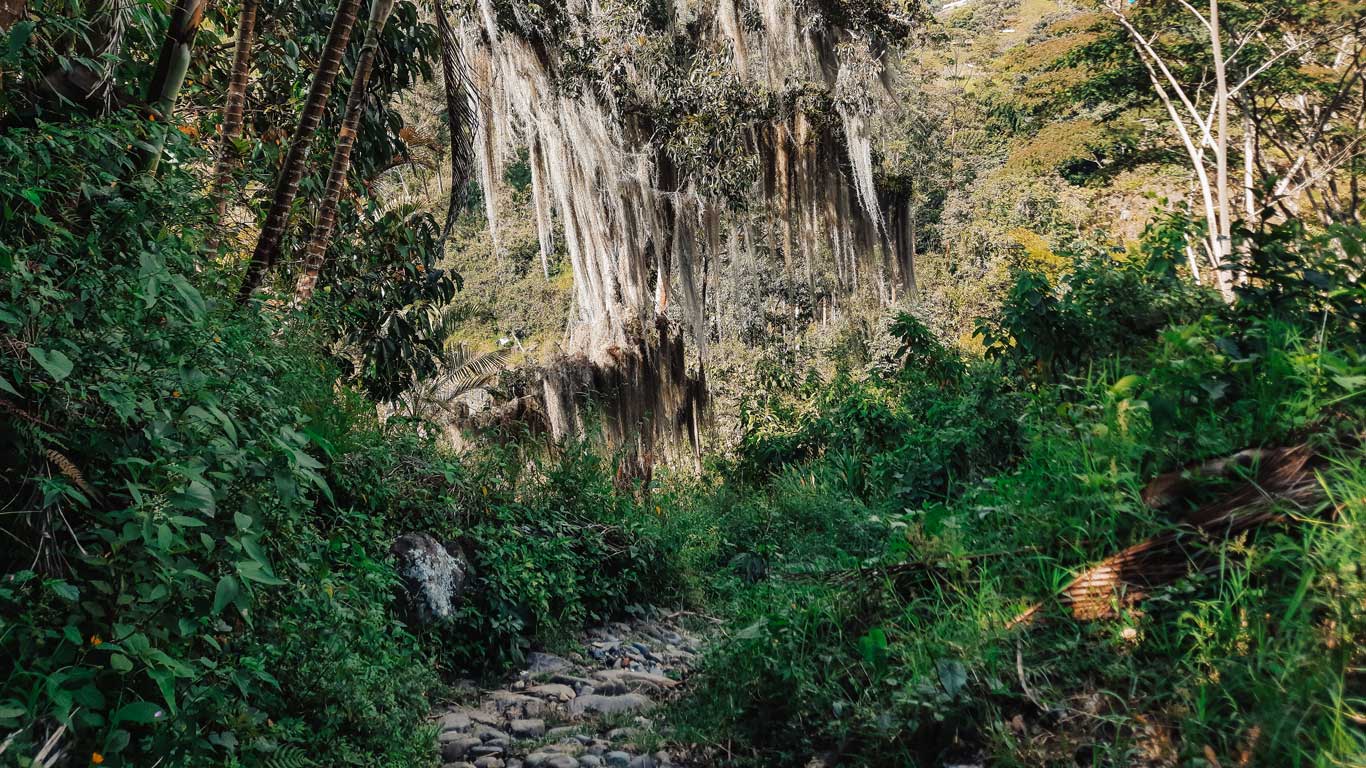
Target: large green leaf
[(57, 364), (227, 592), (141, 712)]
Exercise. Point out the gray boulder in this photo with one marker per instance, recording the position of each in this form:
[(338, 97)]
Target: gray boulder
[(434, 575)]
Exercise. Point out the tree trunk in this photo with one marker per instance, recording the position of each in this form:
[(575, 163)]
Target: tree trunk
[(1223, 277), (287, 187), (169, 75), (12, 11), (233, 107), (316, 252), (463, 122)]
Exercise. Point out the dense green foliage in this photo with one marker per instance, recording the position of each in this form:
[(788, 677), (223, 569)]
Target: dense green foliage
[(198, 498), (880, 629), (198, 516)]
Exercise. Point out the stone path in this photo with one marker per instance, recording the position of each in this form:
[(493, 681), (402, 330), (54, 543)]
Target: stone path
[(580, 710)]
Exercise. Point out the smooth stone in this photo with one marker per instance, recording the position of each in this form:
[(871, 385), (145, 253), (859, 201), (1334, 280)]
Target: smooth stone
[(454, 750), (643, 761), (664, 758), (527, 729), (539, 663), (484, 718), (488, 761), (556, 691), (609, 705), (618, 759), (562, 731), (590, 761), (536, 759), (562, 761), (489, 733), (455, 721), (486, 749)]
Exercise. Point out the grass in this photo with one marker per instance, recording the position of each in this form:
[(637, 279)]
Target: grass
[(877, 626)]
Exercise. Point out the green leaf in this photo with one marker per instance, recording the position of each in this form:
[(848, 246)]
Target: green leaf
[(1126, 385), (141, 712), (57, 365), (952, 675), (1350, 383), (227, 592), (165, 680), (64, 590), (5, 385), (259, 573), (120, 663)]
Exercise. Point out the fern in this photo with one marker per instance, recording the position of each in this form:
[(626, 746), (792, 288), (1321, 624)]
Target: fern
[(289, 756)]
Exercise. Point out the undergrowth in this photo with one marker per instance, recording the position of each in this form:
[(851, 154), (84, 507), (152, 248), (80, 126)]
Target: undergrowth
[(903, 519), (199, 501)]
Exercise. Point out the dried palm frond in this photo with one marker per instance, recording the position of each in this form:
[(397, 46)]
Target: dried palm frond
[(1281, 478), (69, 470)]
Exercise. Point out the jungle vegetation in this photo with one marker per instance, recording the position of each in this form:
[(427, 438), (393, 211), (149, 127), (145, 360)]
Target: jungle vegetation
[(991, 372)]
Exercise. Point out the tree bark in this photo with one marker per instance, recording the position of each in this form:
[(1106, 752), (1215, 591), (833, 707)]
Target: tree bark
[(233, 107), (316, 252), (169, 75), (1224, 278), (287, 186), (12, 11)]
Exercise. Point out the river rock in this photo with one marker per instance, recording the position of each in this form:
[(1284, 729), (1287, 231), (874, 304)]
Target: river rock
[(609, 705), (538, 663), (456, 749), (527, 729), (455, 721), (556, 691)]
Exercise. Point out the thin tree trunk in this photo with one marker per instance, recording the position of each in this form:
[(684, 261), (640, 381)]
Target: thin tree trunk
[(287, 187), (1224, 243), (169, 75), (316, 252), (233, 107)]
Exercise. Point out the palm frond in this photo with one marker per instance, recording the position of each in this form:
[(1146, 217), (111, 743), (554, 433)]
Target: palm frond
[(466, 371)]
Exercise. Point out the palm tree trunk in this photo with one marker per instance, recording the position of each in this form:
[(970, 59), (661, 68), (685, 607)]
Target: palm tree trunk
[(169, 75), (233, 107), (316, 252), (461, 119), (287, 187)]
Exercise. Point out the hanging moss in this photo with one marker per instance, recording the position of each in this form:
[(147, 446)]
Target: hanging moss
[(654, 135)]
